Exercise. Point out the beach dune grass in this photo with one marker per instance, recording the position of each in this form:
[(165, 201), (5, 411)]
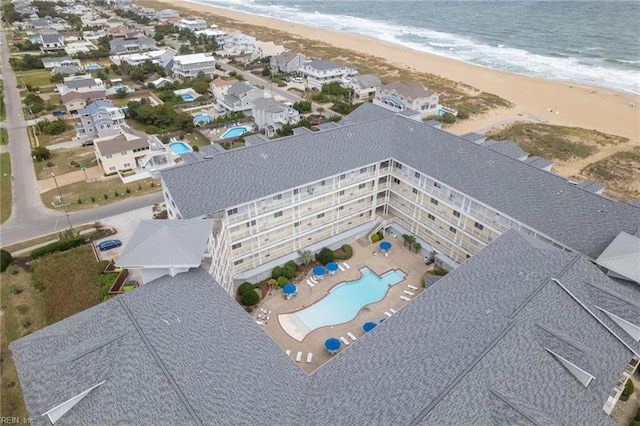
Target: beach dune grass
[(555, 142), (619, 171)]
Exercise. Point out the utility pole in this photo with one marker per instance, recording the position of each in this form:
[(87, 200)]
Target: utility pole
[(62, 203)]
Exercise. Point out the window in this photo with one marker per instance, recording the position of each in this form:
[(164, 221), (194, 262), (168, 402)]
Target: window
[(452, 229), (362, 186), (320, 216), (341, 208), (232, 212), (109, 156), (341, 192), (397, 165), (456, 213), (250, 224), (417, 175), (363, 170), (434, 201), (112, 169), (322, 183), (478, 226), (123, 153), (238, 262), (277, 197), (415, 190), (342, 176), (396, 181), (127, 164), (437, 185), (430, 216), (296, 224), (234, 229), (277, 214), (236, 246)]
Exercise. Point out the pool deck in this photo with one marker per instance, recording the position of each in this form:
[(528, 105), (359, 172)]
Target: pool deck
[(399, 258)]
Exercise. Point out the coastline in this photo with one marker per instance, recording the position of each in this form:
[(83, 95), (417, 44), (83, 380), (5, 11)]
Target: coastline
[(573, 104)]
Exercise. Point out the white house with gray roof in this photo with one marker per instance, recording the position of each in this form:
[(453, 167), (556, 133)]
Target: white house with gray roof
[(364, 86), (130, 44), (412, 95), (238, 44), (514, 336), (380, 170), (187, 67), (270, 115), (286, 62), (321, 72), (60, 61), (51, 43), (239, 98), (100, 119)]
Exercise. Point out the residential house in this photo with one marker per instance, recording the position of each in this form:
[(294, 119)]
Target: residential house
[(165, 14), (240, 98), (192, 24), (151, 250), (120, 31), (270, 115), (321, 72), (100, 119), (238, 44), (216, 33), (70, 70), (287, 62), (76, 91), (92, 18), (187, 67), (81, 46), (163, 57), (219, 87), (74, 101), (364, 86), (413, 96), (146, 12), (120, 152), (94, 36), (265, 49), (160, 82), (130, 44), (60, 61), (51, 43)]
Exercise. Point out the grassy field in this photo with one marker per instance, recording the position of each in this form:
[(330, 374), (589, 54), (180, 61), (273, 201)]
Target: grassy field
[(195, 139), (555, 142), (452, 94), (5, 187), (3, 110), (4, 137), (620, 172), (98, 190), (36, 78), (43, 239), (44, 140), (60, 159)]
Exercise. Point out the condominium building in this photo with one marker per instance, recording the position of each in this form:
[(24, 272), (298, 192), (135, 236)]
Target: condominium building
[(189, 66), (381, 171)]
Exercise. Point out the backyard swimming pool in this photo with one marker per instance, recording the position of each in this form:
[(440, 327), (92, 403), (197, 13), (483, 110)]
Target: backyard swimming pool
[(342, 304), (234, 132), (186, 97), (203, 118), (179, 147), (92, 67)]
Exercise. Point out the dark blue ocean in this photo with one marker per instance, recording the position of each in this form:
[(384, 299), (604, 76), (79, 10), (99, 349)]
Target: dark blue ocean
[(592, 42)]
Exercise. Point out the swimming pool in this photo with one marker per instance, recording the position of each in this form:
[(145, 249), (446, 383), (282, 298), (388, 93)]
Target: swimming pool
[(203, 118), (92, 67), (234, 132), (342, 304), (186, 97), (179, 147)]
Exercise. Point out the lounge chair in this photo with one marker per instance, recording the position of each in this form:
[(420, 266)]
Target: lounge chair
[(309, 358), (405, 298), (341, 267), (288, 352), (393, 311), (310, 284), (412, 287), (351, 336), (410, 293), (298, 356), (313, 280), (346, 265), (344, 340), (388, 314)]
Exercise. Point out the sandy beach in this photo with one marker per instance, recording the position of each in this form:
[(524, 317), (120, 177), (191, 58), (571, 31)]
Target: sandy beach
[(572, 104)]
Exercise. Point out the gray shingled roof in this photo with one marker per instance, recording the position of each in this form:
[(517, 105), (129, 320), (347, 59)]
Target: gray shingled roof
[(238, 88), (366, 81), (164, 243), (269, 104), (51, 38), (592, 186), (411, 89), (180, 350), (538, 162), (322, 64), (473, 137), (120, 143), (508, 148), (577, 218)]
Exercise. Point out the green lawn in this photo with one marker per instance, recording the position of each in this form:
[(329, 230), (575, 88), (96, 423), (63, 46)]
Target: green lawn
[(36, 78), (195, 139), (3, 110), (5, 187), (59, 162), (4, 137)]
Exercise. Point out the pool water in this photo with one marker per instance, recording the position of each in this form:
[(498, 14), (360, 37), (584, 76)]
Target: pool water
[(187, 97), (179, 148), (345, 300), (92, 67), (234, 132), (203, 118)]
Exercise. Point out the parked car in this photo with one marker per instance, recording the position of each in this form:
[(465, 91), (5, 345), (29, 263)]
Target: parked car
[(87, 143), (58, 113), (109, 244)]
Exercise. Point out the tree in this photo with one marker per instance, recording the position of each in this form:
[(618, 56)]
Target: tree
[(249, 298), (325, 256), (417, 247), (266, 72), (5, 259), (200, 86), (245, 287), (628, 390), (41, 153), (121, 93), (306, 256)]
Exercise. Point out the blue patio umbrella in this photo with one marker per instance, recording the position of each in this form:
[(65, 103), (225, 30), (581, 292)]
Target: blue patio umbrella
[(318, 271), (332, 344), (368, 326), (332, 266), (385, 245), (289, 288)]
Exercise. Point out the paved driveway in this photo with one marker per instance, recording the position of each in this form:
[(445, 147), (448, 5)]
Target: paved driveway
[(125, 224)]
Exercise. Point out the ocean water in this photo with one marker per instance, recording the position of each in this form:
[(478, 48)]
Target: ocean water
[(591, 42)]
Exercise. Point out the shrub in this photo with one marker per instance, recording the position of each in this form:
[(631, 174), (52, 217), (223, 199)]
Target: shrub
[(5, 259), (128, 190), (41, 153), (14, 289), (348, 252), (282, 281), (102, 265), (375, 238), (249, 298), (57, 246), (637, 418), (23, 309), (106, 196), (325, 256), (288, 272), (291, 264), (438, 271), (26, 323), (245, 287), (628, 391), (276, 272)]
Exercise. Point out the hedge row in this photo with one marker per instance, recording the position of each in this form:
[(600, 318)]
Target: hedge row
[(248, 294), (348, 252), (62, 245), (288, 271)]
